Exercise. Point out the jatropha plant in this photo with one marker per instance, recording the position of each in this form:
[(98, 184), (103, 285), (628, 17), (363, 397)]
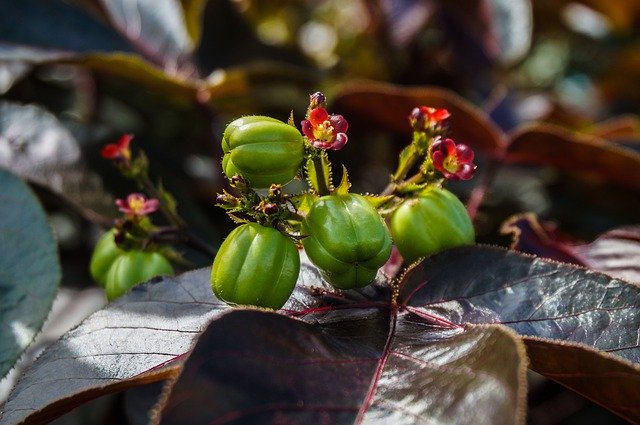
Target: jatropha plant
[(387, 310), (344, 234), (347, 235)]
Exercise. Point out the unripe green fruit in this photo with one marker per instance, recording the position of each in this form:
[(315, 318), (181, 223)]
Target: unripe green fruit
[(263, 150), (433, 222), (347, 240), (133, 268), (255, 265), (104, 254)]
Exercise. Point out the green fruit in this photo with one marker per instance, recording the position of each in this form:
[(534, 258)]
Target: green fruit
[(132, 268), (435, 221), (104, 254), (255, 265), (263, 150), (347, 240)]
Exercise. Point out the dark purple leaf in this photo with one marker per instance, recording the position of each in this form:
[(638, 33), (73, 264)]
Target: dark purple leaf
[(112, 349), (533, 296), (529, 236), (604, 378), (348, 366), (127, 343), (616, 252), (536, 298), (550, 145), (387, 107)]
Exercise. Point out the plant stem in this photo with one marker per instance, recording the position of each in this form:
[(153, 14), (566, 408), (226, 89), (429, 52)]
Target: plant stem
[(155, 193), (321, 178)]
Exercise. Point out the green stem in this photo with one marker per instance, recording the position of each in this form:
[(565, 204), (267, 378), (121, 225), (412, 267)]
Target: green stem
[(405, 167), (155, 193), (321, 178)]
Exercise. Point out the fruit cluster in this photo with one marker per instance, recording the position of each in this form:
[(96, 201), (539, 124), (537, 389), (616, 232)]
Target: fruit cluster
[(344, 234), (347, 236), (118, 270)]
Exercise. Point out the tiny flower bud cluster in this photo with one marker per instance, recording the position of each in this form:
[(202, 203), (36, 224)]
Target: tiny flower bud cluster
[(424, 118)]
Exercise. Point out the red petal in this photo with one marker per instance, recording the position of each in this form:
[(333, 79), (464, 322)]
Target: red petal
[(307, 129), (317, 116), (440, 114), (465, 172), (464, 153), (449, 146), (109, 151), (123, 142)]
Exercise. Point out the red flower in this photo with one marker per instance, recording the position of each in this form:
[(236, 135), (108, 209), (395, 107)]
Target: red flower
[(324, 131), (424, 117), (136, 205), (454, 161), (118, 151)]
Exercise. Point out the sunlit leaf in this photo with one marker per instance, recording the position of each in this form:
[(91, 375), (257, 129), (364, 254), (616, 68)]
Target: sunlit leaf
[(349, 367), (37, 147), (29, 268), (536, 298), (155, 29), (113, 349)]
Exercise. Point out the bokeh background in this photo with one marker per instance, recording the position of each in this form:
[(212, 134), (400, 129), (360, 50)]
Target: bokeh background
[(76, 74)]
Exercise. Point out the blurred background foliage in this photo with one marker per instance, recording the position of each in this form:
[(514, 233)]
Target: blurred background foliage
[(76, 74)]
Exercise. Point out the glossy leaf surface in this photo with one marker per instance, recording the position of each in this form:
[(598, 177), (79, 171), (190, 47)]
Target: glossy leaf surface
[(365, 366)]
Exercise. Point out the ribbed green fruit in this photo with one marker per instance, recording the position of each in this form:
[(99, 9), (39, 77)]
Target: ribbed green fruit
[(104, 254), (430, 223), (133, 268), (255, 265), (263, 150), (347, 240)]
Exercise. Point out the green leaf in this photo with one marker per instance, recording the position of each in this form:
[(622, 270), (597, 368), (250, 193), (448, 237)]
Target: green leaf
[(343, 187), (29, 268)]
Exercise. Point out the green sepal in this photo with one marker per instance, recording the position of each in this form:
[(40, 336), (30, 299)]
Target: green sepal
[(378, 201), (406, 159), (343, 187), (291, 121), (303, 202)]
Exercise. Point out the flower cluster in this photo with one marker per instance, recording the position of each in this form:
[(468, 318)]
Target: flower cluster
[(322, 130), (136, 205), (118, 151), (423, 118), (455, 162)]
